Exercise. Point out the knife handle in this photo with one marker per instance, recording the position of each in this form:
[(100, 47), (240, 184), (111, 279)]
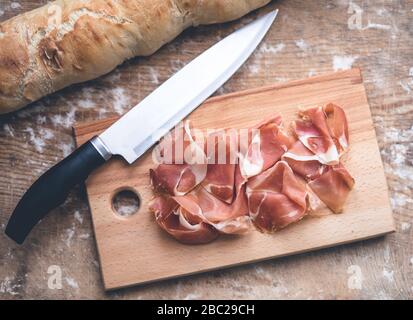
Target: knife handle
[(52, 188)]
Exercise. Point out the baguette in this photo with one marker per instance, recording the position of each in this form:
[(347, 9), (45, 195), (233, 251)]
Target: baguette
[(71, 41)]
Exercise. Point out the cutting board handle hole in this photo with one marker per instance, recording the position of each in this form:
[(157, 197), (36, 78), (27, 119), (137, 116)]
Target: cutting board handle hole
[(126, 202)]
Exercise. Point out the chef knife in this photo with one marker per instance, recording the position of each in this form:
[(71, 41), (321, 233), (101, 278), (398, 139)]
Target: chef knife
[(135, 132)]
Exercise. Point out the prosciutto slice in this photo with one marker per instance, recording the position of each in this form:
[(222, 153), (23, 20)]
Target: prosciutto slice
[(276, 198), (303, 162), (268, 142), (200, 205), (338, 126), (333, 186), (313, 131), (221, 150), (183, 162), (170, 218)]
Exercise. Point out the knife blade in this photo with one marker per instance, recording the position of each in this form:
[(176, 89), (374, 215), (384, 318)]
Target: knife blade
[(135, 132), (183, 92)]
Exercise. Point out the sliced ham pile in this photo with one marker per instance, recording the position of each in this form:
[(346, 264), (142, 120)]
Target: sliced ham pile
[(224, 182)]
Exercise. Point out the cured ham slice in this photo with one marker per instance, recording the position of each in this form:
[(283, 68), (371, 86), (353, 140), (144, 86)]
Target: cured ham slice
[(169, 218), (183, 163), (338, 126), (276, 198), (333, 186), (312, 130), (200, 205), (175, 179), (315, 207), (303, 162), (327, 184), (222, 150), (268, 142)]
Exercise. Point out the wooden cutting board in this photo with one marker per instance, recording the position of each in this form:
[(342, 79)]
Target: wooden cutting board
[(135, 250)]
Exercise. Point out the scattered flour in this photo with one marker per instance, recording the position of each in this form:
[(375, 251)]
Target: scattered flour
[(388, 274), (343, 62), (66, 148), (177, 65), (279, 290), (272, 49), (9, 254), (405, 226), (39, 141), (396, 135), (121, 100), (78, 216), (8, 129), (154, 75), (386, 253), (102, 112), (1, 12), (192, 296), (69, 233), (312, 73), (221, 90), (254, 68), (260, 271), (72, 282), (8, 286), (400, 200), (398, 153), (47, 134), (404, 173), (40, 119), (407, 85), (264, 274), (65, 121), (86, 103), (379, 81), (127, 210), (382, 295), (84, 236), (86, 100), (301, 44)]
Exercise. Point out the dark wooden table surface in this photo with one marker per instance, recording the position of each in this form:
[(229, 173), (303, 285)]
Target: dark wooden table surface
[(59, 260)]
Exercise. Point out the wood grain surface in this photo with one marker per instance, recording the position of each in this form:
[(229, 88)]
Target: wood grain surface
[(134, 250), (309, 38)]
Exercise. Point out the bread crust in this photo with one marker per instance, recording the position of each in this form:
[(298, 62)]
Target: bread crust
[(71, 41)]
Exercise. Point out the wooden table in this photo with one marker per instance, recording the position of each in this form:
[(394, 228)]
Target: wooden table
[(309, 38)]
